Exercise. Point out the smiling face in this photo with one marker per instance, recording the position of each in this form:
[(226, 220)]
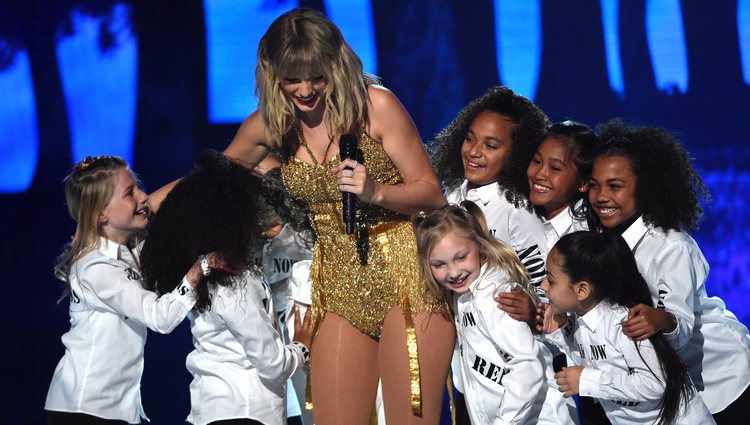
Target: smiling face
[(553, 177), (306, 93), (486, 148), (455, 263), (612, 190), (126, 212)]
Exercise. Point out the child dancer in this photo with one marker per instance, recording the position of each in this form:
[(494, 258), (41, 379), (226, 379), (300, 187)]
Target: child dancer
[(240, 364), (98, 378), (502, 372), (644, 187), (482, 156), (558, 183), (594, 276)]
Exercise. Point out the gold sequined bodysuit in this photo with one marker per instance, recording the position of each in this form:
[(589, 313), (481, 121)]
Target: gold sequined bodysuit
[(361, 294)]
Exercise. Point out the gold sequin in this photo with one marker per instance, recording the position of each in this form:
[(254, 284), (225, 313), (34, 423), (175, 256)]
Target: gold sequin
[(363, 294)]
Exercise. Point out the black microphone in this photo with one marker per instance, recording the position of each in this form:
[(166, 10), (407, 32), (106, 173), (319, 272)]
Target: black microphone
[(348, 149), (559, 362)]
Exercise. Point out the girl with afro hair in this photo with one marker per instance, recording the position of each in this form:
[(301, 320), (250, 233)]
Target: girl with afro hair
[(644, 187), (240, 364)]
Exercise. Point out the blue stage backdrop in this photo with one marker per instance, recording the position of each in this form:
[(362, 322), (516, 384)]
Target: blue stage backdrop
[(156, 82)]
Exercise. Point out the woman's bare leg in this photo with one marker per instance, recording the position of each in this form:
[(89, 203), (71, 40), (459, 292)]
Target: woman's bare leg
[(435, 339), (344, 373)]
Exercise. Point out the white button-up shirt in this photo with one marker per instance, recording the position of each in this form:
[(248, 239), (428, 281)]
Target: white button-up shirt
[(562, 224), (278, 256), (500, 361), (525, 233), (100, 372), (709, 338), (517, 228), (240, 364), (627, 380)]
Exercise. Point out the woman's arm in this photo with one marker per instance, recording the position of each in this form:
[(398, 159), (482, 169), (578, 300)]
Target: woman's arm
[(391, 125), (250, 145)]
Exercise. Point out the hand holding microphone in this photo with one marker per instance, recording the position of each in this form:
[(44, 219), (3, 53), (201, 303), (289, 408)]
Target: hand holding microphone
[(348, 150)]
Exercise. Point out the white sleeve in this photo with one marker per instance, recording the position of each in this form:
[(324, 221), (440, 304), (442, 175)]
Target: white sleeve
[(680, 269), (564, 339), (528, 240), (246, 318), (515, 342), (121, 291), (638, 383)]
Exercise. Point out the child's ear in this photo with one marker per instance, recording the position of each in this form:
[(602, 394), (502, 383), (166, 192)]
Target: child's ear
[(103, 218), (583, 186), (583, 290)]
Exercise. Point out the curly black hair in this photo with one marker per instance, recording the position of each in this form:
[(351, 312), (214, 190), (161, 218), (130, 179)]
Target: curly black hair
[(530, 124), (669, 189), (220, 206)]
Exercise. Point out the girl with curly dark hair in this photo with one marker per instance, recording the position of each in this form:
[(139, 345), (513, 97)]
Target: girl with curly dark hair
[(643, 186), (482, 156), (240, 364)]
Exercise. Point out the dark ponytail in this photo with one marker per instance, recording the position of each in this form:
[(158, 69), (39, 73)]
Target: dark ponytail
[(606, 262)]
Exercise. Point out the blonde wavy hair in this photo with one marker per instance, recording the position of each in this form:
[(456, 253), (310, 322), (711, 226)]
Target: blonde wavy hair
[(302, 43), (88, 190), (466, 221)]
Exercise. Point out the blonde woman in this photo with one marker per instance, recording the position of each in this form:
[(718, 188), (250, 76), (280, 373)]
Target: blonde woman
[(374, 318)]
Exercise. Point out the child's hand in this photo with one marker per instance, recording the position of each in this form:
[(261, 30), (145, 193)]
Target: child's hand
[(213, 260), (644, 322), (568, 380), (303, 330), (547, 319), (518, 305)]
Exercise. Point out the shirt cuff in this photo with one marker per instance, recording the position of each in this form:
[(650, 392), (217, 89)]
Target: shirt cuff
[(185, 293), (588, 384), (303, 351)]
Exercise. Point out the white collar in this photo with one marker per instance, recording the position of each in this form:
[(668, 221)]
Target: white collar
[(562, 221), (635, 232), (115, 250), (484, 193), (594, 316)]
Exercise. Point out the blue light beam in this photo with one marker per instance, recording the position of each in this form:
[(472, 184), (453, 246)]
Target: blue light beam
[(354, 19), (612, 45), (518, 36), (666, 42), (100, 87), (19, 139)]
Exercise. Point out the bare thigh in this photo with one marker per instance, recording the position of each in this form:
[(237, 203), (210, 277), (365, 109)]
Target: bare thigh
[(435, 340), (344, 373)]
